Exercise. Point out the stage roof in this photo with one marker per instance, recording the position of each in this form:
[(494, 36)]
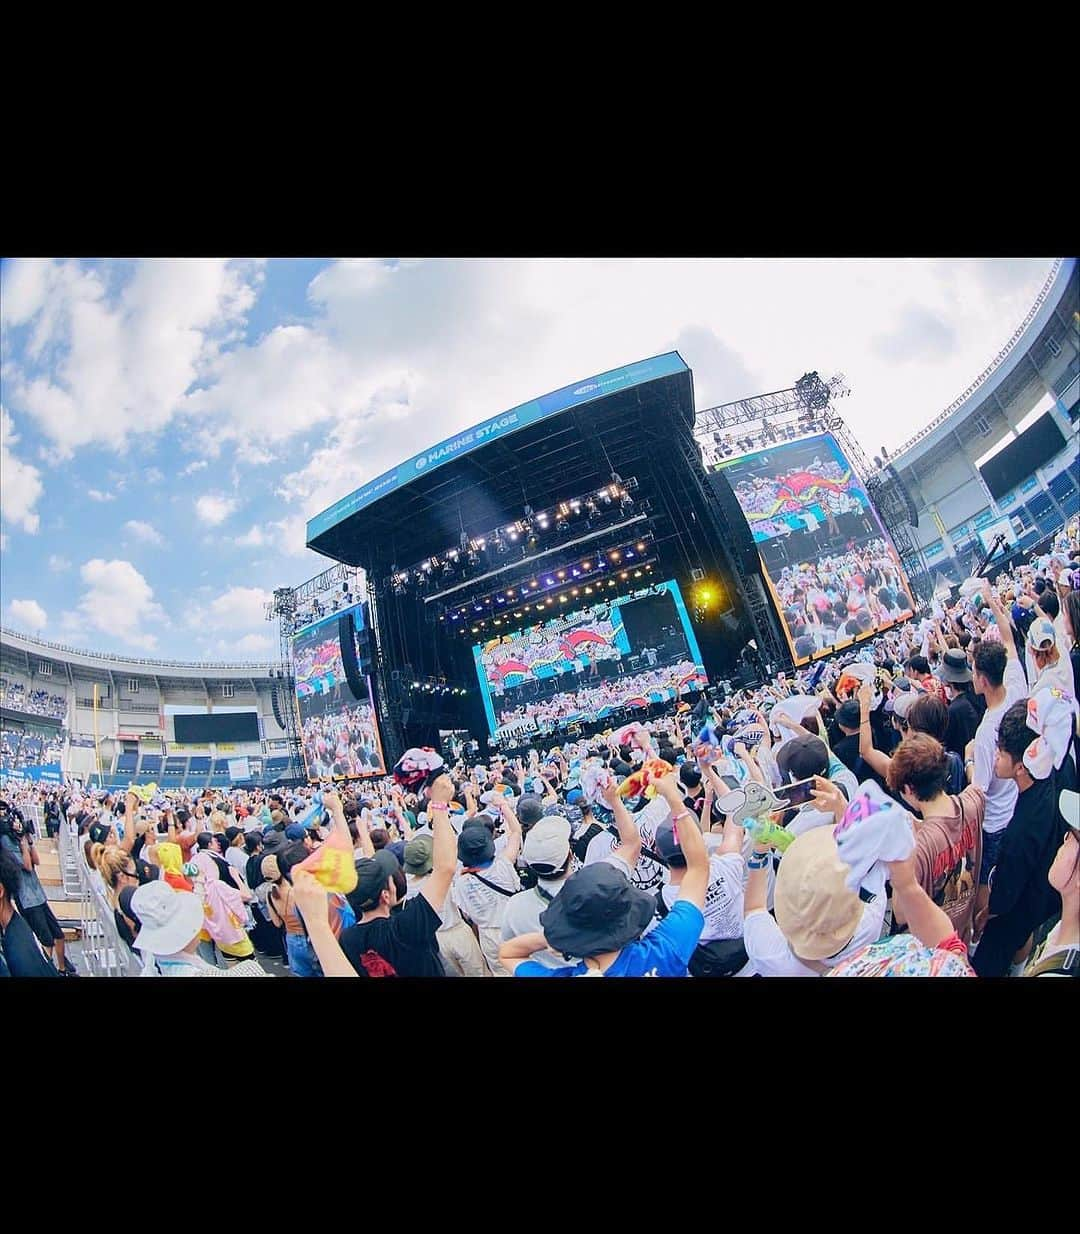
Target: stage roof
[(542, 452)]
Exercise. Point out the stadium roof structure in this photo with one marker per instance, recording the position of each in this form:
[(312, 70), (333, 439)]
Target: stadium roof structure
[(550, 449)]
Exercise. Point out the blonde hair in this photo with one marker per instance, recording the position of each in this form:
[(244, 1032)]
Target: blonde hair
[(217, 822), (112, 862)]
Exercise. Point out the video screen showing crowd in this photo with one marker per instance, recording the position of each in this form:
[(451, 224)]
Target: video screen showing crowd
[(590, 664), (834, 574), (339, 733)]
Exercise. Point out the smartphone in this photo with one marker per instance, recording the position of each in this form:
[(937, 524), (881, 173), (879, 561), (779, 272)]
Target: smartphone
[(799, 793)]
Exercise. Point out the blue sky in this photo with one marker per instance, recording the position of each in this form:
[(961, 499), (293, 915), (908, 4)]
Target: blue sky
[(169, 426)]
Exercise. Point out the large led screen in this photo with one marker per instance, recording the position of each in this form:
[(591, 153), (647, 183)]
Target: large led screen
[(339, 732), (832, 570), (588, 664)]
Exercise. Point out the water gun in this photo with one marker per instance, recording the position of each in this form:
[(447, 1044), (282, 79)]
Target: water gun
[(645, 777), (314, 813), (767, 831)]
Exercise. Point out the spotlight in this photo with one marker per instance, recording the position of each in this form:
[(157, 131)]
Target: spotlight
[(585, 565)]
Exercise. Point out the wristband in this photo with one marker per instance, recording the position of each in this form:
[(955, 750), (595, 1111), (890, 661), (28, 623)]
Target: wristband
[(756, 862), (438, 805)]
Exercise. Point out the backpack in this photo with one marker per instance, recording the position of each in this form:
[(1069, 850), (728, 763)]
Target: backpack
[(722, 957)]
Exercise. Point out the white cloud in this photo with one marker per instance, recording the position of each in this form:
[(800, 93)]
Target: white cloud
[(28, 615), (192, 468), (213, 508), (97, 495), (120, 358), (20, 483), (58, 564), (3, 541), (118, 602), (251, 539), (249, 647), (146, 532), (153, 475), (238, 607)]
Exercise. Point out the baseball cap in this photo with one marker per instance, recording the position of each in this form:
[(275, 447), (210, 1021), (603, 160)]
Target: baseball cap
[(1041, 636), (666, 845), (418, 855), (372, 875), (475, 846), (530, 809), (232, 832), (903, 703), (295, 831), (269, 868), (547, 846)]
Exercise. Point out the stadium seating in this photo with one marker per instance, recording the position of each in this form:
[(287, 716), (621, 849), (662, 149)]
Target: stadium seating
[(127, 764), (150, 765)]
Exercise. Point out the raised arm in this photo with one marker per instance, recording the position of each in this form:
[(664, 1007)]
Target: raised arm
[(131, 810), (513, 830), (629, 836), (1002, 620), (444, 844), (930, 924), (691, 841), (871, 756), (311, 900)]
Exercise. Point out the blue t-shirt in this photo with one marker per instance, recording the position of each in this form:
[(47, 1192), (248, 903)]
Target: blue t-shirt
[(663, 953)]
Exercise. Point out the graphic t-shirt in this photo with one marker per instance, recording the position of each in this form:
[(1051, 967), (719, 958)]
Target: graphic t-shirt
[(647, 875), (948, 849), (665, 952), (723, 898), (401, 945), (480, 903)]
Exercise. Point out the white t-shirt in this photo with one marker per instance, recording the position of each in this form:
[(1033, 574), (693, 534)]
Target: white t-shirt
[(1000, 794), (449, 913), (647, 875), (771, 956), (723, 898), (1058, 675), (479, 902), (522, 916), (237, 857)]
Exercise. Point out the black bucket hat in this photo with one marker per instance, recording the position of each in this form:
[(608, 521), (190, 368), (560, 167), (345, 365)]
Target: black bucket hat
[(954, 667), (597, 910)]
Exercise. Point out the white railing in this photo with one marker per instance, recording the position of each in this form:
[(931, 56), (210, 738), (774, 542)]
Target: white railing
[(994, 364), (208, 665)]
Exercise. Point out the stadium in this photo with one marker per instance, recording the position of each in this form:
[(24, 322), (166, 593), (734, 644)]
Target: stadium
[(604, 555)]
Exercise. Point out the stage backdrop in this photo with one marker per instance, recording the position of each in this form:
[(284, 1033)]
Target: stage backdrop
[(339, 732), (833, 572), (589, 663)]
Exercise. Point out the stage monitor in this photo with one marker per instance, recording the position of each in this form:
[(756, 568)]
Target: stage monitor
[(832, 569), (590, 664), (339, 731), (1020, 458)]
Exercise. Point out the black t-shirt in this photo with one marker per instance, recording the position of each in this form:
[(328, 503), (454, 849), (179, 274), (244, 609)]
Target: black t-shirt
[(404, 941), (963, 721), (846, 749), (21, 951), (1019, 889)]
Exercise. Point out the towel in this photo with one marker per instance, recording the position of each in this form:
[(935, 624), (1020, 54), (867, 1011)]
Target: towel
[(1050, 713), (874, 828)]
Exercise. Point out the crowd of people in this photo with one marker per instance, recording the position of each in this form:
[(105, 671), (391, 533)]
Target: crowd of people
[(909, 807), (836, 599), (341, 743), (16, 696), (19, 748), (590, 702)]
